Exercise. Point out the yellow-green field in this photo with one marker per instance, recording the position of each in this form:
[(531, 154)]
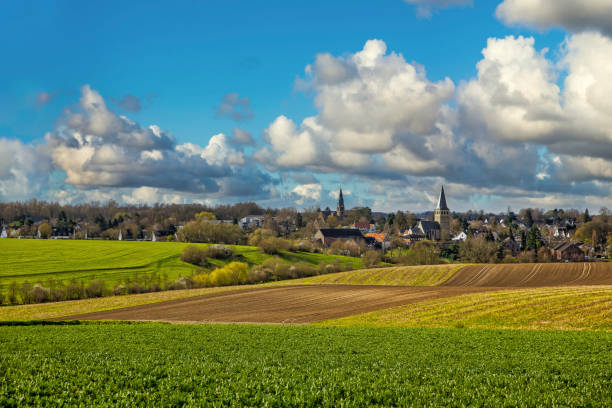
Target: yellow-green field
[(41, 261), (426, 275), (551, 308)]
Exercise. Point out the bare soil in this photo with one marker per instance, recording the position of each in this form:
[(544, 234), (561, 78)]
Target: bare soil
[(297, 304), (281, 305), (533, 275)]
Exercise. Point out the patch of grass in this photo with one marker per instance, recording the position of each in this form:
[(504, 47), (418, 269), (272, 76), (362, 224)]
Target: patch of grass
[(234, 365), (426, 275), (42, 261), (558, 308)]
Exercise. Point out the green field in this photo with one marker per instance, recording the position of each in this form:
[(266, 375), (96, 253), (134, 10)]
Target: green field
[(556, 308), (278, 366), (41, 261)]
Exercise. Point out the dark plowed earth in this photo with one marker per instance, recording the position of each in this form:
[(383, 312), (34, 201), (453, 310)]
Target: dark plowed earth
[(286, 304), (533, 275)]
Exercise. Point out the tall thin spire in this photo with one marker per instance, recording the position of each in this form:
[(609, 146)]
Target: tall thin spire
[(442, 201), (340, 209)]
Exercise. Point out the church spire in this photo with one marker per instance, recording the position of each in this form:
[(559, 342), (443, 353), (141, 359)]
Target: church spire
[(340, 210), (442, 201)]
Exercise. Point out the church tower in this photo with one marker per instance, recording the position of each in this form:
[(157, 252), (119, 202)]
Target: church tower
[(340, 209), (442, 214)]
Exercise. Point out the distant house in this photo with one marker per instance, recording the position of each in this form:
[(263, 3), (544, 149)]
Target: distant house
[(560, 232), (3, 234), (364, 227), (328, 236), (462, 236), (381, 238), (567, 252), (252, 221)]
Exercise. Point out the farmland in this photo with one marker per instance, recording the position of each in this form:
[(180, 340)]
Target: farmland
[(427, 275), (546, 308), (273, 304), (41, 261), (158, 364)]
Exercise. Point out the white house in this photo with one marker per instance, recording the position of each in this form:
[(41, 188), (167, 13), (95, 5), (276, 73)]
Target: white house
[(462, 236), (252, 221)]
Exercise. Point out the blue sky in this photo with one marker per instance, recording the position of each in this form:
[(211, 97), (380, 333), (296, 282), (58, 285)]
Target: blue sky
[(177, 63)]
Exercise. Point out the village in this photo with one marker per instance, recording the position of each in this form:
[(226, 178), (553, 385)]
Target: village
[(441, 235)]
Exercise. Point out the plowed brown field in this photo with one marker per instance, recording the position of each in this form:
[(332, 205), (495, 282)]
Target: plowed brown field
[(533, 275), (287, 304), (306, 303)]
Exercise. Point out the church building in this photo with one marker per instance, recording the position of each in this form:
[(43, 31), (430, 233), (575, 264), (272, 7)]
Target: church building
[(442, 214)]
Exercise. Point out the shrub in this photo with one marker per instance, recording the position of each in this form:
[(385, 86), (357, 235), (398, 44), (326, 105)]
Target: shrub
[(40, 294), (218, 252), (302, 245), (26, 292), (371, 258), (259, 235), (74, 290), (346, 247), (194, 255), (272, 246), (181, 283), (302, 270), (527, 257), (210, 232), (96, 288), (234, 273), (12, 293)]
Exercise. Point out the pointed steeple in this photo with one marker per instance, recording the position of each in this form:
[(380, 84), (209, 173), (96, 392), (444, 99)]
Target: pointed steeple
[(340, 209), (442, 201)]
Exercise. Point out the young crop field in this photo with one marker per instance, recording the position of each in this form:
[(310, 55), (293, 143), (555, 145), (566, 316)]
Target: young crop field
[(427, 275), (41, 261), (233, 365), (558, 308)]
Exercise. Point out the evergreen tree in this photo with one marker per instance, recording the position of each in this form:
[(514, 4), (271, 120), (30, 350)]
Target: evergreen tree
[(523, 241), (586, 217), (534, 239), (528, 219)]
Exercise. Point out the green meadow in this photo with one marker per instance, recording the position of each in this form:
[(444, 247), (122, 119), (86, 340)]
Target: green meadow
[(278, 366), (42, 261)]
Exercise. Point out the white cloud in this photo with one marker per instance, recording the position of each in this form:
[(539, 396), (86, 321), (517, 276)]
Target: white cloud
[(515, 97), (426, 7), (308, 192), (369, 103), (24, 169), (572, 15)]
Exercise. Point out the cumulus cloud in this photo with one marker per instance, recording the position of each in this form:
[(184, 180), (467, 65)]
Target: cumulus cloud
[(24, 169), (426, 7), (307, 192), (515, 97), (235, 107), (570, 14), (516, 127), (516, 100), (98, 149), (369, 103)]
